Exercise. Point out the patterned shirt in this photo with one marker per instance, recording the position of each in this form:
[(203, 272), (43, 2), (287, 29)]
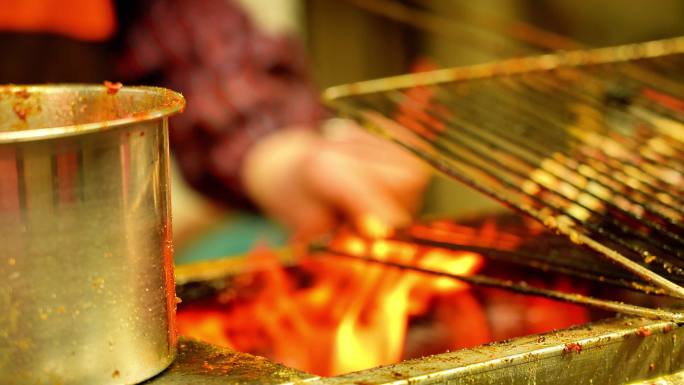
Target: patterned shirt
[(240, 85)]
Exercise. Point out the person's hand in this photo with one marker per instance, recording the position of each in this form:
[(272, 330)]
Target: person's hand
[(310, 181)]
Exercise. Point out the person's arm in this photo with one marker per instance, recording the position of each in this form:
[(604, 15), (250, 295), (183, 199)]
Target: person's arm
[(311, 182), (247, 134)]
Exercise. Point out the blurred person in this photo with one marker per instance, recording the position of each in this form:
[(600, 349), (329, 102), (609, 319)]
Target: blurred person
[(248, 136)]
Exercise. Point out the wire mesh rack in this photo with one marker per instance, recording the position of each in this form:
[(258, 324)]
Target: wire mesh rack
[(588, 142)]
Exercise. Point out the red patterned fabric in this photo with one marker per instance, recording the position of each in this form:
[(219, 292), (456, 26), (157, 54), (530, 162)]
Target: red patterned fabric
[(239, 83)]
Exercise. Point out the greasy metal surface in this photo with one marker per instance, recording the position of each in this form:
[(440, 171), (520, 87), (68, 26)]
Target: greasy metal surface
[(87, 292), (198, 363), (616, 351), (587, 142)]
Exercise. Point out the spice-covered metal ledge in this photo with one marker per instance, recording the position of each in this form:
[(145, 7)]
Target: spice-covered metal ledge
[(615, 351), (199, 363)]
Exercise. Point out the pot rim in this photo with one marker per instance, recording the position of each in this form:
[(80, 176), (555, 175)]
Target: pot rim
[(173, 102)]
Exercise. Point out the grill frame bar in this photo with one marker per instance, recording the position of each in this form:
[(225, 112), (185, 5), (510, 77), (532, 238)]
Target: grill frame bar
[(615, 351)]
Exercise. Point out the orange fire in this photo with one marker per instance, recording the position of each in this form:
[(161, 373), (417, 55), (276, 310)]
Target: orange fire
[(338, 315)]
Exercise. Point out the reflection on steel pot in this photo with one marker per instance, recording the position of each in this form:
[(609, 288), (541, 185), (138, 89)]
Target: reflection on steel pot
[(86, 274)]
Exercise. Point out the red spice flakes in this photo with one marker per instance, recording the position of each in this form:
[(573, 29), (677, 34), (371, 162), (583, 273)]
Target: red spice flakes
[(20, 111), (572, 347), (112, 87), (668, 328), (141, 114), (643, 332), (22, 93)]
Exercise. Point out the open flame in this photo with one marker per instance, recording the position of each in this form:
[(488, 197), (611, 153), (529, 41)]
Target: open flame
[(336, 315)]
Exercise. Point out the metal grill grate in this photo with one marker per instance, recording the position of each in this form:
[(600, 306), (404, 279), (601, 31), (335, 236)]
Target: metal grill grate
[(590, 143)]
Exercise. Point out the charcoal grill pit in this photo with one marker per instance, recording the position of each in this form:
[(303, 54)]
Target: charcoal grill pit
[(620, 350)]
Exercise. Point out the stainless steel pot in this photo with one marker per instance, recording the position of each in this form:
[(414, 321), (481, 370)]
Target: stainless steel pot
[(86, 273)]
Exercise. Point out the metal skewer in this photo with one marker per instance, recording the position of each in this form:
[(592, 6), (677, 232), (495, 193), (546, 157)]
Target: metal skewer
[(524, 288)]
